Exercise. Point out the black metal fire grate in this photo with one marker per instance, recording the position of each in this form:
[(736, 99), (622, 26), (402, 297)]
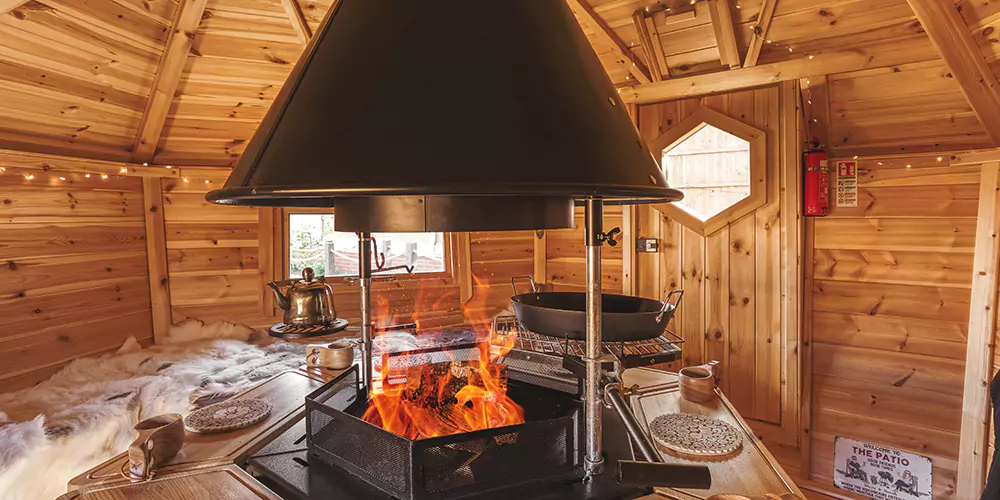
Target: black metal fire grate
[(547, 446)]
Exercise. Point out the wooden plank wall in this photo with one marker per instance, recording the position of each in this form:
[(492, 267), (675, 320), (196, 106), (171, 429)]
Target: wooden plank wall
[(73, 279), (731, 311), (565, 255), (212, 252), (890, 311), (496, 258)]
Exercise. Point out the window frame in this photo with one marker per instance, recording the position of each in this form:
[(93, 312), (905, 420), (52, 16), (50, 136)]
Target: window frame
[(758, 168), (450, 255)]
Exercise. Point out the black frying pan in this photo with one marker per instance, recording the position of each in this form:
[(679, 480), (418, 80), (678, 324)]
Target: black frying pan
[(564, 314)]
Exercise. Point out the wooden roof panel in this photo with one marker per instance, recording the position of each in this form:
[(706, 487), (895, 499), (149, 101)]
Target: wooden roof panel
[(98, 59), (114, 20), (838, 20), (906, 106)]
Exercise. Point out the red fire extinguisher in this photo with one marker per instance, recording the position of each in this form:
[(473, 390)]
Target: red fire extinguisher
[(817, 181)]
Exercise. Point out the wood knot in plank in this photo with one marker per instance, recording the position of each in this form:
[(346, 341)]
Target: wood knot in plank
[(901, 382), (874, 310)]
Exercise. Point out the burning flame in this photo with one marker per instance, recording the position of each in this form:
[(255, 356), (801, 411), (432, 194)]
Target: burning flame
[(427, 394)]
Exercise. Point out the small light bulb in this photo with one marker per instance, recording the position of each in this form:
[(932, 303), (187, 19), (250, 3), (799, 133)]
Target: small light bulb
[(145, 164), (768, 41), (3, 169), (940, 158), (692, 2), (909, 166), (86, 175), (879, 163), (169, 167), (789, 49), (29, 176), (104, 176), (186, 179), (810, 56), (62, 178), (123, 171), (206, 181)]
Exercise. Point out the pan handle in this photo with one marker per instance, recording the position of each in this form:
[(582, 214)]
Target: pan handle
[(666, 303), (531, 279)]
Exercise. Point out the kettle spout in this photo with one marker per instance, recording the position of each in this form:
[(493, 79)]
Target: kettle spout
[(279, 298)]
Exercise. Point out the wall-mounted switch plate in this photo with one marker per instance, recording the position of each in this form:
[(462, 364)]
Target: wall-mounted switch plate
[(647, 245)]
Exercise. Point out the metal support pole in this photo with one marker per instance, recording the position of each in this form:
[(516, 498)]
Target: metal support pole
[(594, 216), (367, 324)]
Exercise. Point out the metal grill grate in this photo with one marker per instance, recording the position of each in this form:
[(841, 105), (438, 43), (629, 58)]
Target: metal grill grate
[(508, 332)]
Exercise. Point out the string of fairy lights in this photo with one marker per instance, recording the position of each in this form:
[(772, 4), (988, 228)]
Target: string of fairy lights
[(56, 176)]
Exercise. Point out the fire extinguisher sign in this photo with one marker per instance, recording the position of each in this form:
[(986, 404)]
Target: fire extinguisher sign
[(847, 183)]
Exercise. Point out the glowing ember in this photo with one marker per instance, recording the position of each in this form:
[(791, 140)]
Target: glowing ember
[(426, 394)]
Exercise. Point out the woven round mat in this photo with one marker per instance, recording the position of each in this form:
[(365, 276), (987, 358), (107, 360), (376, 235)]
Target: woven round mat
[(227, 415), (695, 435)]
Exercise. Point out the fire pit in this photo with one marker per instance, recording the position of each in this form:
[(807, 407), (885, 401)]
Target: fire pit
[(546, 446)]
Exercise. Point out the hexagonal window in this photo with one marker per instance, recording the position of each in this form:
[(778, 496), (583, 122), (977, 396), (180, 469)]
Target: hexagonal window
[(712, 168), (719, 164)]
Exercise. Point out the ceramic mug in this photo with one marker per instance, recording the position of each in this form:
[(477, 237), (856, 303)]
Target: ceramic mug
[(160, 438), (335, 355), (698, 382)]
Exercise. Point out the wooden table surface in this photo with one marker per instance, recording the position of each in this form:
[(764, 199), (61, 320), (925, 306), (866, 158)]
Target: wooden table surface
[(225, 482), (751, 472), (208, 462), (287, 392)]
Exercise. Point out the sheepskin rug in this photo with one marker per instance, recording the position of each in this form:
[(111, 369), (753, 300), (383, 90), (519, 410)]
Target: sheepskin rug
[(84, 414)]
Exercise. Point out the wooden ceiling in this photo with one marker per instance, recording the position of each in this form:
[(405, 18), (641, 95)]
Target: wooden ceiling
[(185, 82)]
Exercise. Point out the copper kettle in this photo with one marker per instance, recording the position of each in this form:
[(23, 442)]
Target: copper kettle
[(307, 302)]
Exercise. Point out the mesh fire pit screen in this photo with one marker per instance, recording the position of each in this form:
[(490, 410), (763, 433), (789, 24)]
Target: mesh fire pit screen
[(547, 446)]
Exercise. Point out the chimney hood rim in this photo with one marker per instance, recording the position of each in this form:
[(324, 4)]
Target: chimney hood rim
[(610, 193)]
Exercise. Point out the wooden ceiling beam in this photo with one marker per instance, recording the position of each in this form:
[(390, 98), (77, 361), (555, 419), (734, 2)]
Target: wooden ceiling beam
[(650, 44), (725, 32), (9, 5), (759, 35), (607, 36), (950, 36), (168, 77), (835, 61), (298, 19)]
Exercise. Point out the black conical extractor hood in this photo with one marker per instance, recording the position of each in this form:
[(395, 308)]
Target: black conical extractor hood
[(446, 115)]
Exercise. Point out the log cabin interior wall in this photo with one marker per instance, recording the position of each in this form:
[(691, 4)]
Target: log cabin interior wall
[(73, 279), (86, 262), (732, 278), (889, 312)]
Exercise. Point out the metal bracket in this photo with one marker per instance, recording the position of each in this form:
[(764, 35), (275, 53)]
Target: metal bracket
[(609, 237)]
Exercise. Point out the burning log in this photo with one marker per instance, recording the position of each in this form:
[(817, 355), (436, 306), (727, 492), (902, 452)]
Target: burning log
[(442, 392)]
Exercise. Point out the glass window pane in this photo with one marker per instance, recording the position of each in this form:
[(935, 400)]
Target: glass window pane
[(711, 168), (312, 242)]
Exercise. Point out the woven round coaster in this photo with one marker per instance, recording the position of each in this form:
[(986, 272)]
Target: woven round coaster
[(227, 415), (695, 435)]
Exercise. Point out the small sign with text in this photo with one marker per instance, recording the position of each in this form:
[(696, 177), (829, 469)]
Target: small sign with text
[(847, 184), (879, 472)]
